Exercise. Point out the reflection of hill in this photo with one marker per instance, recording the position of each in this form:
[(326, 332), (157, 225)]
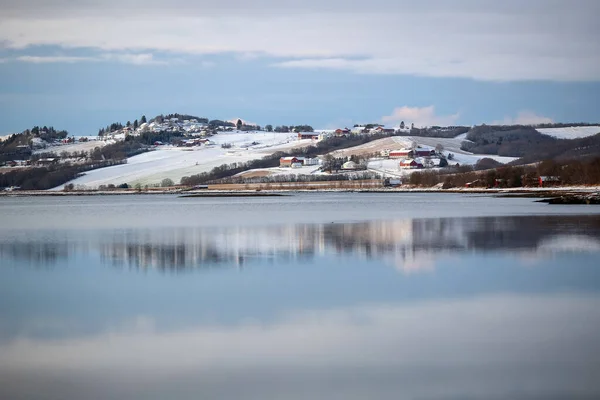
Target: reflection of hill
[(408, 244)]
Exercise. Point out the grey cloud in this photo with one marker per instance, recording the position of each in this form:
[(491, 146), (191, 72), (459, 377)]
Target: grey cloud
[(509, 40)]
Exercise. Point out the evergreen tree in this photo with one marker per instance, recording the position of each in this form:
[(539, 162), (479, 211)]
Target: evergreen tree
[(135, 124), (143, 120)]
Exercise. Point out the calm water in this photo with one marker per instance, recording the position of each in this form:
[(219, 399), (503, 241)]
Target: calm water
[(328, 296)]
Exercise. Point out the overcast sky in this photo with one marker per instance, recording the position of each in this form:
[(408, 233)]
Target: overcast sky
[(80, 64)]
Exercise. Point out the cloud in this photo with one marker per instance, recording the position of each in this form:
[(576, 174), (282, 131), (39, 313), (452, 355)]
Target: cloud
[(524, 118), (481, 40), (436, 349), (125, 58), (54, 59), (420, 116)]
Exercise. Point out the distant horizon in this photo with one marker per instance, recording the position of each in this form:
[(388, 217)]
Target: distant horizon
[(573, 123)]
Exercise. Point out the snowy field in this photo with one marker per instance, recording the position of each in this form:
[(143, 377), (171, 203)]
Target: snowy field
[(306, 170), (176, 162), (74, 147), (390, 166), (573, 132)]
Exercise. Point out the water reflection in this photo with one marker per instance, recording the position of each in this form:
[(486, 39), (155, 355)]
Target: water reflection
[(338, 323), (407, 244)]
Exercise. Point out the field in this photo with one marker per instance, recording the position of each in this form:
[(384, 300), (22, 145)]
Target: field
[(176, 162), (573, 132)]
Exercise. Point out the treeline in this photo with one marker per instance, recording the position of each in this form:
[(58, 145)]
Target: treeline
[(528, 144), (44, 178), (149, 138), (116, 126), (18, 146), (183, 117), (291, 128), (436, 132), (118, 151), (573, 172), (565, 125)]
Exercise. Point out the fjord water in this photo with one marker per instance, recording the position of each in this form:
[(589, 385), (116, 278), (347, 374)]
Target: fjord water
[(336, 296)]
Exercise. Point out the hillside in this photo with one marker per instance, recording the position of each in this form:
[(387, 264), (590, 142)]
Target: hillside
[(531, 145)]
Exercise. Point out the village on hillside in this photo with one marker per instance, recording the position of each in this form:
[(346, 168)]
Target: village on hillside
[(175, 149)]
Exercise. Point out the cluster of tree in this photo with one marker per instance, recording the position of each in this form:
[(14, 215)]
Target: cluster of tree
[(47, 177), (18, 146), (511, 141), (292, 128), (245, 127), (149, 138), (110, 186), (572, 172), (331, 163), (47, 134), (118, 151), (116, 126), (436, 132), (217, 122), (183, 117), (368, 126), (63, 154), (528, 144), (564, 125)]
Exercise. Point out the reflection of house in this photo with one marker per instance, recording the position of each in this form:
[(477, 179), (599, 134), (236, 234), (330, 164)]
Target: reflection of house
[(410, 164)]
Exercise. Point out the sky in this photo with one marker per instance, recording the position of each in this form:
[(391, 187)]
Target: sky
[(80, 65)]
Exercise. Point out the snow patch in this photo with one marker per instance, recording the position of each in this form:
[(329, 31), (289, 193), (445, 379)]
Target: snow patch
[(572, 132)]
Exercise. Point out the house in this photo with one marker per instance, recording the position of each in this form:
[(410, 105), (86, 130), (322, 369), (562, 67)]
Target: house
[(411, 153), (342, 132), (475, 183), (289, 161), (402, 153), (46, 161), (381, 129), (410, 164), (350, 165), (545, 181), (308, 135), (357, 130)]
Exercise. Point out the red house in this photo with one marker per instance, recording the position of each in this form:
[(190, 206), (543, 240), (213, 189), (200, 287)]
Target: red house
[(289, 161), (308, 135), (410, 164)]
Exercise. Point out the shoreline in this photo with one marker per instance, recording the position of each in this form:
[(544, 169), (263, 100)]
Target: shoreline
[(555, 192)]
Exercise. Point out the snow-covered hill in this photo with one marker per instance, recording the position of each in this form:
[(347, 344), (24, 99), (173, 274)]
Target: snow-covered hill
[(177, 162), (572, 132)]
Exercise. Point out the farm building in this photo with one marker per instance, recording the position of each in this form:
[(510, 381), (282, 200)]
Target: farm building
[(289, 161), (410, 164), (308, 135), (411, 153), (342, 132), (545, 181), (351, 165), (297, 161)]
